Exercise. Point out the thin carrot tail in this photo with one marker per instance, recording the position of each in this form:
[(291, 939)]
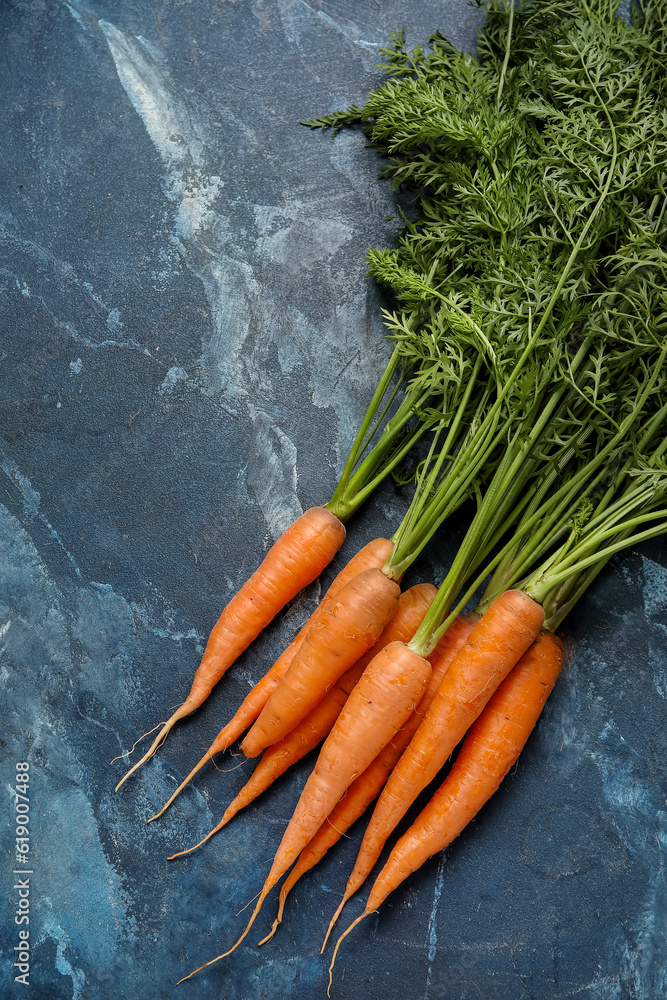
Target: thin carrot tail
[(207, 756), (227, 735), (237, 725), (189, 850), (338, 944), (334, 919), (128, 753), (228, 814), (274, 928), (180, 713), (268, 885), (284, 893), (287, 887)]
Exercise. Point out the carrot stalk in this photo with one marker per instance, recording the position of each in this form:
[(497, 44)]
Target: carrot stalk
[(378, 706), (490, 749), (295, 560), (354, 624), (368, 785), (373, 554), (497, 642)]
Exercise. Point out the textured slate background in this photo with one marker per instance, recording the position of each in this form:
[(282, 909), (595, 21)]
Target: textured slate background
[(188, 340)]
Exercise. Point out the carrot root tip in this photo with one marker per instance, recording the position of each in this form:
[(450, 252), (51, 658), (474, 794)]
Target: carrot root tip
[(274, 928), (127, 753), (261, 899), (155, 745), (338, 944), (332, 922)]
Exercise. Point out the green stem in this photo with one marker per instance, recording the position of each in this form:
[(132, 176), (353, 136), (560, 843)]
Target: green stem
[(360, 444), (506, 60), (410, 538), (540, 592)]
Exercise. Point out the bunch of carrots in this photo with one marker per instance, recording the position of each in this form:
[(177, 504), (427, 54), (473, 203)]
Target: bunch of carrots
[(529, 381)]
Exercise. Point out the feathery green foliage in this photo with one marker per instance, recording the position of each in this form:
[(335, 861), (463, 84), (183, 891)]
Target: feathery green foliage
[(532, 259)]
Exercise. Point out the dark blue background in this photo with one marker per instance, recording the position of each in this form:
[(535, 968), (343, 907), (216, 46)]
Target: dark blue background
[(188, 343)]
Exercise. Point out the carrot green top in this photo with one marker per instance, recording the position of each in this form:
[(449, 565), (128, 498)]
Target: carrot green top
[(529, 272)]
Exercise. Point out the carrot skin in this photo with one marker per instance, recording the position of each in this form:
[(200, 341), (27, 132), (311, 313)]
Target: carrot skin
[(348, 630), (368, 785), (408, 615), (293, 561), (279, 757), (373, 554), (500, 638), (410, 610), (378, 706), (282, 575), (488, 752), (490, 749)]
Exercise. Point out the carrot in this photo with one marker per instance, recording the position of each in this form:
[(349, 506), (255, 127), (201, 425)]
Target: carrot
[(368, 785), (378, 706), (490, 749), (497, 642), (293, 561), (354, 624), (279, 757), (411, 608), (374, 553)]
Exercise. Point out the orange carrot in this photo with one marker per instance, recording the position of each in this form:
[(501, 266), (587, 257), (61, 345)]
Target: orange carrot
[(490, 749), (373, 554), (350, 628), (500, 638), (368, 785), (279, 757), (379, 705), (410, 610), (295, 560)]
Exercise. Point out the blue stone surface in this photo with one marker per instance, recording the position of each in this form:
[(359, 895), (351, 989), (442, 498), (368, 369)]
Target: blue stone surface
[(188, 341)]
